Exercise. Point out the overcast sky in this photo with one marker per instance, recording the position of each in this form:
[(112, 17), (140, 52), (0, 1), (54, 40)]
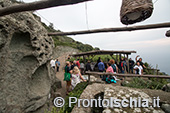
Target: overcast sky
[(152, 45)]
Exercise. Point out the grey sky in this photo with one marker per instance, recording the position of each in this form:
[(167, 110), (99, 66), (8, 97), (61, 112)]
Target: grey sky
[(151, 45)]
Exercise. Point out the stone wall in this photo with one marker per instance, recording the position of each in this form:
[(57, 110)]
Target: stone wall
[(25, 74)]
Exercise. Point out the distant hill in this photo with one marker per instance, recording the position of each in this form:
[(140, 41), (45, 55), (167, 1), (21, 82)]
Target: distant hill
[(67, 41)]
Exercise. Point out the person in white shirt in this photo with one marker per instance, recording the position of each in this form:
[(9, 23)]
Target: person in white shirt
[(76, 76), (52, 63), (138, 69)]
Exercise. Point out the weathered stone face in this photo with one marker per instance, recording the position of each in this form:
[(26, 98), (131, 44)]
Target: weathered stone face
[(25, 49)]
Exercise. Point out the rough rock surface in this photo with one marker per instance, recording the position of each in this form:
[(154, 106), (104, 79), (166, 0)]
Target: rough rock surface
[(166, 108), (25, 75), (116, 92), (61, 50), (121, 93), (166, 87)]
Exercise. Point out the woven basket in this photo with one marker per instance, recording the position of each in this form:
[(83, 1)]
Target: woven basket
[(133, 11), (168, 33)]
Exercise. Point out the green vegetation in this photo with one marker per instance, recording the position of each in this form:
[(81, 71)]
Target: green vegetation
[(75, 93), (153, 83), (104, 58)]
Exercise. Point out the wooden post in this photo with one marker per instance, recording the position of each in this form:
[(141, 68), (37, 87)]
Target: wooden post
[(120, 57), (116, 60), (88, 78), (84, 59), (127, 62)]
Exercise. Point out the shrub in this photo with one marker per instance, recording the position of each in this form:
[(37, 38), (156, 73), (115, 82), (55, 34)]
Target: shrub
[(75, 93), (153, 83)]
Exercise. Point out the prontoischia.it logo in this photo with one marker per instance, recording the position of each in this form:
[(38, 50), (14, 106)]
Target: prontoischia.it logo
[(131, 102)]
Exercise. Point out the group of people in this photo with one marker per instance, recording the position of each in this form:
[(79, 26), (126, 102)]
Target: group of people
[(55, 64), (75, 69), (72, 75), (122, 67)]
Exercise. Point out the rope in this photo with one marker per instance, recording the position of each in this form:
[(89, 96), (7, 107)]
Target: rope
[(155, 1), (86, 16), (46, 19)]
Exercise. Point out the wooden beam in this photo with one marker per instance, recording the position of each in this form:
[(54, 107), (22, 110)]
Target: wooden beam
[(128, 75), (118, 29), (37, 5)]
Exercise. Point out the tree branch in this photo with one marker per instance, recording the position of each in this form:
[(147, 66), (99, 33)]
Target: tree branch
[(142, 27), (37, 5)]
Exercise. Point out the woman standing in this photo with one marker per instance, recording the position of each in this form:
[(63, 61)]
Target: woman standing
[(76, 76), (114, 66), (110, 78), (67, 76)]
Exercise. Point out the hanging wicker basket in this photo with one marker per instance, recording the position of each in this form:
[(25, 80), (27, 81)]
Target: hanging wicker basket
[(133, 11), (168, 33)]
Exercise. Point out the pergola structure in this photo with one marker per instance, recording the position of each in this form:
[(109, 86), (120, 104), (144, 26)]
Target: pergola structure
[(105, 52)]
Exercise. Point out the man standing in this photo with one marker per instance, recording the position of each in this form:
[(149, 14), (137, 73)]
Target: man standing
[(140, 61), (88, 66), (57, 63), (131, 64), (101, 67), (122, 65), (138, 68), (52, 63)]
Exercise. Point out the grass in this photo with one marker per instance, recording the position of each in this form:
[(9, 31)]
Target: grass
[(75, 93), (153, 83)]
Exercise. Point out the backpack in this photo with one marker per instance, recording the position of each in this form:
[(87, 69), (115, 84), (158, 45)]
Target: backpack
[(114, 67), (122, 64)]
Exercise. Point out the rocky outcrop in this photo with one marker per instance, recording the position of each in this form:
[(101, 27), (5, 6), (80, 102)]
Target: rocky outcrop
[(61, 50), (25, 74), (115, 92), (166, 87)]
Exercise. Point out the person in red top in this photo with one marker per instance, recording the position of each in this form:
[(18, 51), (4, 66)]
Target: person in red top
[(78, 63)]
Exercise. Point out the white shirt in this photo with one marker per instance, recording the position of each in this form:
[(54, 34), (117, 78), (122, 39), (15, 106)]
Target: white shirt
[(81, 65), (75, 80), (52, 62), (140, 69)]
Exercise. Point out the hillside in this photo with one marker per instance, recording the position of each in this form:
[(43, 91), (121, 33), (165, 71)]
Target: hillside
[(67, 41)]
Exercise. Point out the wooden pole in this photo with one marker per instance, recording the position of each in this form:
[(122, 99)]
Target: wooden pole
[(37, 5), (128, 75), (127, 62), (133, 28), (116, 59), (120, 57)]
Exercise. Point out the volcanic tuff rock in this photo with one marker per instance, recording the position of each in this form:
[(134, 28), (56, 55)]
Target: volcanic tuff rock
[(25, 75)]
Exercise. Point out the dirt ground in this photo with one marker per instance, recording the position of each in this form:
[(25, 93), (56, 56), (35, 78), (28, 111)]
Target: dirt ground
[(60, 74)]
